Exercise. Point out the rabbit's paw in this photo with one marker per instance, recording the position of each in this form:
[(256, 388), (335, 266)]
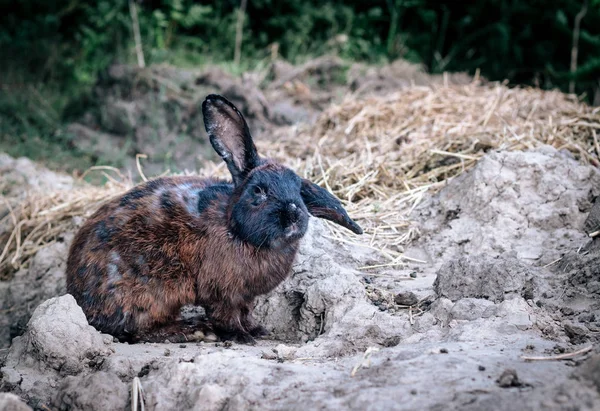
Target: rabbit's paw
[(259, 331)]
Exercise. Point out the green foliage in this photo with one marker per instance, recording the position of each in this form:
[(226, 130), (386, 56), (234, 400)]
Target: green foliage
[(522, 41)]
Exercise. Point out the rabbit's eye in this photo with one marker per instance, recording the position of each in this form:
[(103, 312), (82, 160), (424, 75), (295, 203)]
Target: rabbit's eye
[(257, 190)]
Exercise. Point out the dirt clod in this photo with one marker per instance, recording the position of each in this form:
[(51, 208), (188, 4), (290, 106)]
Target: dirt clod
[(509, 378), (95, 392), (406, 298)]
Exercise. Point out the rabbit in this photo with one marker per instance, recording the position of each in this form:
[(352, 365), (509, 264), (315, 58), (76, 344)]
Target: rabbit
[(186, 240)]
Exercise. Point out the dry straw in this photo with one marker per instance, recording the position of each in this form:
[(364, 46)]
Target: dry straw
[(41, 218), (380, 155)]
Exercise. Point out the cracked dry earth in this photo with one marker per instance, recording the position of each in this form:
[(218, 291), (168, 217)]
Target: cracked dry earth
[(509, 273)]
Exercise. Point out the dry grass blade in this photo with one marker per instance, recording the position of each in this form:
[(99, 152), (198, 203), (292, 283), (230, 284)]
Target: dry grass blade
[(365, 361), (137, 395)]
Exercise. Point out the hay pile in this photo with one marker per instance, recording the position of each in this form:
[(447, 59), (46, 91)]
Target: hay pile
[(383, 154), (41, 218), (380, 155)]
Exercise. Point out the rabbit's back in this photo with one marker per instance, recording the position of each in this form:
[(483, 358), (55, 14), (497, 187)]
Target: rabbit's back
[(128, 268)]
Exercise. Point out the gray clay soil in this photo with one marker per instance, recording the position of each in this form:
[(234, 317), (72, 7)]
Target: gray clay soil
[(509, 272)]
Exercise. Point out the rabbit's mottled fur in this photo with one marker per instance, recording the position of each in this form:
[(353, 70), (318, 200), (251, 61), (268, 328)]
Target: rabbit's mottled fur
[(175, 241)]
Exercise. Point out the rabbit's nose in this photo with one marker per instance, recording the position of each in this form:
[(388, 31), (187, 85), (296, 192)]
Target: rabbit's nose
[(293, 212)]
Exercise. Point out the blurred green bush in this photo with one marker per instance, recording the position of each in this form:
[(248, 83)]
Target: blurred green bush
[(52, 51)]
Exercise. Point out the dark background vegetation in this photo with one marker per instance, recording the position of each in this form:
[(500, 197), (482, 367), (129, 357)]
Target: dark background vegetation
[(52, 52)]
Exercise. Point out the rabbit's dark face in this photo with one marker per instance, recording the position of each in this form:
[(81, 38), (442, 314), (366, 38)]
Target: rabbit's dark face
[(271, 203), (270, 212)]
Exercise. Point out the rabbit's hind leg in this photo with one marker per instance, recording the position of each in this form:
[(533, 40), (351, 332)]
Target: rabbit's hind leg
[(179, 331), (227, 321), (250, 324)]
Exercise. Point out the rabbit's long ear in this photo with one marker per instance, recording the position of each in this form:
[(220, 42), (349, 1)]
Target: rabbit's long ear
[(321, 203), (230, 136)]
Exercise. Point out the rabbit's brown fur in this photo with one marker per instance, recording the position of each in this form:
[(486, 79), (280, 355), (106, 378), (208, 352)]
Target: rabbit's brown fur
[(176, 241)]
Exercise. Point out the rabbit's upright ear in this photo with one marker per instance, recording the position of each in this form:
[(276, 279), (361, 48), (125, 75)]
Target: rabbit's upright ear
[(321, 203), (230, 136)]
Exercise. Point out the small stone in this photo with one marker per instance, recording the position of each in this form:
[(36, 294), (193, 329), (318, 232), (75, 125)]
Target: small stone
[(481, 368), (577, 333), (265, 355), (285, 352), (567, 311), (509, 378), (440, 309), (413, 391), (227, 344), (338, 392), (167, 352), (443, 350), (406, 298), (587, 317), (198, 336), (547, 294), (413, 274), (182, 346), (144, 371)]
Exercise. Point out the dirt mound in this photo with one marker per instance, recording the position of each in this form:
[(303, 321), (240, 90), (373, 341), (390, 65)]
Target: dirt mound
[(531, 205), (21, 176), (156, 111), (42, 279), (399, 75), (335, 344), (58, 343)]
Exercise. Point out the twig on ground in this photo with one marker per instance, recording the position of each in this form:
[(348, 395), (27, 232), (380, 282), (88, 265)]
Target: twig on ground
[(566, 356), (552, 263)]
